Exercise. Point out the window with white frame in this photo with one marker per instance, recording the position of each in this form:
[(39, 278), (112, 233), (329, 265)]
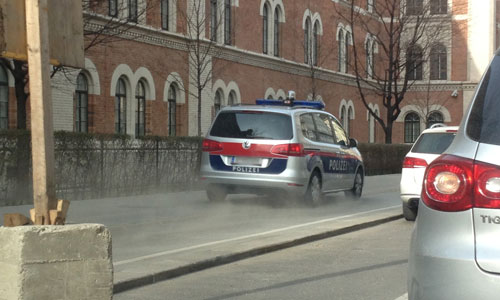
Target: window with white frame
[(277, 28), (140, 111), (265, 28), (346, 51), (341, 49), (350, 117), (227, 22), (82, 103), (412, 127), (414, 62), (121, 107), (435, 117), (370, 5), (4, 99), (370, 57), (315, 43), (414, 7), (232, 98), (438, 62), (343, 117), (307, 41), (217, 101), (439, 7), (132, 11), (164, 14), (172, 113), (214, 20), (113, 8)]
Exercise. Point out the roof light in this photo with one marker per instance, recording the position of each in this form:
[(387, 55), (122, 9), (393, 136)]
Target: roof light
[(305, 103)]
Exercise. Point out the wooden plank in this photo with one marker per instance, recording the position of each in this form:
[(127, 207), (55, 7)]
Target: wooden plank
[(11, 220), (62, 207), (42, 135)]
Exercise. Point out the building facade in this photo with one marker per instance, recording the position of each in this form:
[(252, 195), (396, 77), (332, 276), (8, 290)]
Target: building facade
[(148, 61)]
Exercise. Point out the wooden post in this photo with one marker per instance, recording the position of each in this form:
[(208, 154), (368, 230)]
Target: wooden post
[(42, 135)]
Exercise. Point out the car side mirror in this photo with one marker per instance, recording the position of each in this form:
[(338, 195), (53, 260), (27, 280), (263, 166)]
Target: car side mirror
[(353, 143)]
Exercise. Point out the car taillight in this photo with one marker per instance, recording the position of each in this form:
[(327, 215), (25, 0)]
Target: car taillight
[(487, 192), (211, 146), (453, 183), (288, 150), (413, 162)]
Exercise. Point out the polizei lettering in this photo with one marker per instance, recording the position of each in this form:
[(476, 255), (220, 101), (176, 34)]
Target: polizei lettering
[(245, 169), (338, 165), (490, 219)]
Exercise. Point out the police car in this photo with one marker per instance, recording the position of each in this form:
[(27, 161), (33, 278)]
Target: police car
[(290, 148)]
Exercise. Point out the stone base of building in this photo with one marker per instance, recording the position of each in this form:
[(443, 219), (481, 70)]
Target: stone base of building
[(56, 262)]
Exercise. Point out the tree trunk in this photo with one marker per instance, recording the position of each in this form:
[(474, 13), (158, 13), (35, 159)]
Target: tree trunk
[(199, 111)]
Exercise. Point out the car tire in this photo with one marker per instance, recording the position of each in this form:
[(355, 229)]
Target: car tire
[(314, 193), (216, 193), (409, 213), (357, 188)]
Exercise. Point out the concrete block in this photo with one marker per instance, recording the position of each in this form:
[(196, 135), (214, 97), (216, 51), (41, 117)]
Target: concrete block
[(56, 262)]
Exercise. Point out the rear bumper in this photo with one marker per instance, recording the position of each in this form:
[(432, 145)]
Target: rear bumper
[(442, 261)]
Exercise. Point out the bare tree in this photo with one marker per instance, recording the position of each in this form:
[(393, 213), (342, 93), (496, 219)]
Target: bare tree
[(403, 31), (203, 31), (429, 102)]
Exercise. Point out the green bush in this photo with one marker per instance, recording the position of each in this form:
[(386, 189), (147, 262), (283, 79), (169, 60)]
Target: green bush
[(382, 159)]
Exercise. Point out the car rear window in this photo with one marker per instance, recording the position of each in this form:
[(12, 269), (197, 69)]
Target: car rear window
[(252, 125), (433, 143), (484, 122)]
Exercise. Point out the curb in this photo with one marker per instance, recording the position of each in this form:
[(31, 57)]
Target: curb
[(130, 284)]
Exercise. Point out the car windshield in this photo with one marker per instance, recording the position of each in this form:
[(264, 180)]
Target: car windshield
[(253, 125), (484, 124), (433, 143)]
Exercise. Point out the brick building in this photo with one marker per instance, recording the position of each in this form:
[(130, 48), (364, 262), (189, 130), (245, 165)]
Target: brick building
[(140, 79)]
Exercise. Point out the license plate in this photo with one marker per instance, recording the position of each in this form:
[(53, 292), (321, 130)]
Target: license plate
[(246, 161)]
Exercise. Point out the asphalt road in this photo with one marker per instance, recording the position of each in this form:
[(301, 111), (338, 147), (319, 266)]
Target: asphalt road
[(367, 264)]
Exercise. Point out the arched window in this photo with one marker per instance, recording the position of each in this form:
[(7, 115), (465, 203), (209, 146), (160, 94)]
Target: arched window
[(113, 8), (342, 48), (343, 117), (217, 101), (370, 57), (346, 51), (414, 7), (227, 22), (82, 104), (372, 127), (435, 117), (265, 28), (164, 14), (438, 61), (315, 43), (412, 127), (132, 10), (414, 63), (307, 41), (439, 7), (232, 98), (277, 32), (214, 20), (121, 107), (350, 117), (172, 114), (140, 112)]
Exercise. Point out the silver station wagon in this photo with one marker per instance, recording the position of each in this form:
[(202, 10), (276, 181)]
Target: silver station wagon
[(284, 148)]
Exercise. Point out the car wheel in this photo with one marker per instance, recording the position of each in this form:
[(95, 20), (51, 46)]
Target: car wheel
[(216, 193), (357, 189), (409, 213), (314, 194)]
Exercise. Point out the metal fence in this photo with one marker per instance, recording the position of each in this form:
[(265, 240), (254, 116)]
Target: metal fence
[(90, 167)]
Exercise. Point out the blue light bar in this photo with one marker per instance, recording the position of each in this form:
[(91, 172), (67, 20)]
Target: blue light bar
[(305, 103)]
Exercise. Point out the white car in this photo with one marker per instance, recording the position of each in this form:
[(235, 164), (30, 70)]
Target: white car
[(429, 146)]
